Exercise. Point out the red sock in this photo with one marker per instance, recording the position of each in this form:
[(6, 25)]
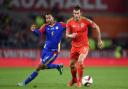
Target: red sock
[(73, 72), (80, 71)]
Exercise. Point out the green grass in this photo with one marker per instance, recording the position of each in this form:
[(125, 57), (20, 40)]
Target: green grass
[(104, 78)]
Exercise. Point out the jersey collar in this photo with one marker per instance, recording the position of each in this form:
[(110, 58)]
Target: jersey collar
[(52, 24)]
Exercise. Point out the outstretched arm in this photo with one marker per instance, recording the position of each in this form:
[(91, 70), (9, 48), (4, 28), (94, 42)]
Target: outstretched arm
[(63, 24), (37, 31)]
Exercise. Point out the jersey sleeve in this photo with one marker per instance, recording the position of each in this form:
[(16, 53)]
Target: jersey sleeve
[(40, 31), (63, 24), (68, 28), (90, 23), (42, 28)]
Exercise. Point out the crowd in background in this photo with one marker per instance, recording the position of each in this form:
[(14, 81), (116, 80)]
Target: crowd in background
[(15, 32)]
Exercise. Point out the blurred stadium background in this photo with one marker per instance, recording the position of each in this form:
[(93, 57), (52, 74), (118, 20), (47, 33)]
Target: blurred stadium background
[(19, 46)]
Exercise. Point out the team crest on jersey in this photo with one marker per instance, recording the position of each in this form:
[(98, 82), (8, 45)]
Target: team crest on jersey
[(82, 24), (73, 26), (57, 27)]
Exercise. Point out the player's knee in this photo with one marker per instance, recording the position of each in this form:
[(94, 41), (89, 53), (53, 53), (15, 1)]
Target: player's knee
[(80, 62), (41, 66), (72, 65), (80, 65)]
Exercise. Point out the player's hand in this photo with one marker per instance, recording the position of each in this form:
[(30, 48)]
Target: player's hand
[(73, 35), (33, 27), (100, 44)]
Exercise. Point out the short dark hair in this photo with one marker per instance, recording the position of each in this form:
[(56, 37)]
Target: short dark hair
[(77, 7), (47, 13)]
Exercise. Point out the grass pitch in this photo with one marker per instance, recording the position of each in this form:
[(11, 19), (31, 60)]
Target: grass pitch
[(103, 77)]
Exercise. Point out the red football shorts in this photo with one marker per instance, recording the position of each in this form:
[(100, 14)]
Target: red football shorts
[(76, 51)]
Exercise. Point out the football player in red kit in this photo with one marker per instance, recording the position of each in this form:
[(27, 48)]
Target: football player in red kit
[(77, 29)]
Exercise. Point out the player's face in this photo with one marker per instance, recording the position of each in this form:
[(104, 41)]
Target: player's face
[(49, 19), (76, 14)]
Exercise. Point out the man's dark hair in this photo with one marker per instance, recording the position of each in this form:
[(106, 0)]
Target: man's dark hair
[(44, 15), (47, 13), (77, 7)]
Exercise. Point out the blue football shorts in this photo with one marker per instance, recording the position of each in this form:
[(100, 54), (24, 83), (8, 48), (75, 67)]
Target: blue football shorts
[(47, 57)]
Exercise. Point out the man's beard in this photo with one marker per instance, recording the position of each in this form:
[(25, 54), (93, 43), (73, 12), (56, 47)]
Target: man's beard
[(77, 18)]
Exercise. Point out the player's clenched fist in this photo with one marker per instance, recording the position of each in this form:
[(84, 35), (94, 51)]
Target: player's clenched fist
[(73, 35), (100, 44), (33, 27)]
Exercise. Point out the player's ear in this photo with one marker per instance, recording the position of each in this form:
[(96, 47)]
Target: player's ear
[(81, 13)]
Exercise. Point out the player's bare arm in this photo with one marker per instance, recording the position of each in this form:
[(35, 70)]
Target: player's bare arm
[(100, 43), (71, 35), (95, 26)]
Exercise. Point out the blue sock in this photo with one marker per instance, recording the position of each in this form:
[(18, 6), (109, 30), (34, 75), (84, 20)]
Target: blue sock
[(52, 66), (31, 77)]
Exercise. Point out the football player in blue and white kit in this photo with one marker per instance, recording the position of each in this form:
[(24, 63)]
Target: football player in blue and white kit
[(53, 31)]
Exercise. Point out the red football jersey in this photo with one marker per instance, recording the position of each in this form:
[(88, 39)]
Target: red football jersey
[(81, 28)]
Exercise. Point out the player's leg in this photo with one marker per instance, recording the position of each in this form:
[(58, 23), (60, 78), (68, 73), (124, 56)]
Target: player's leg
[(73, 72), (74, 56), (32, 76), (49, 59), (59, 67), (80, 66)]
